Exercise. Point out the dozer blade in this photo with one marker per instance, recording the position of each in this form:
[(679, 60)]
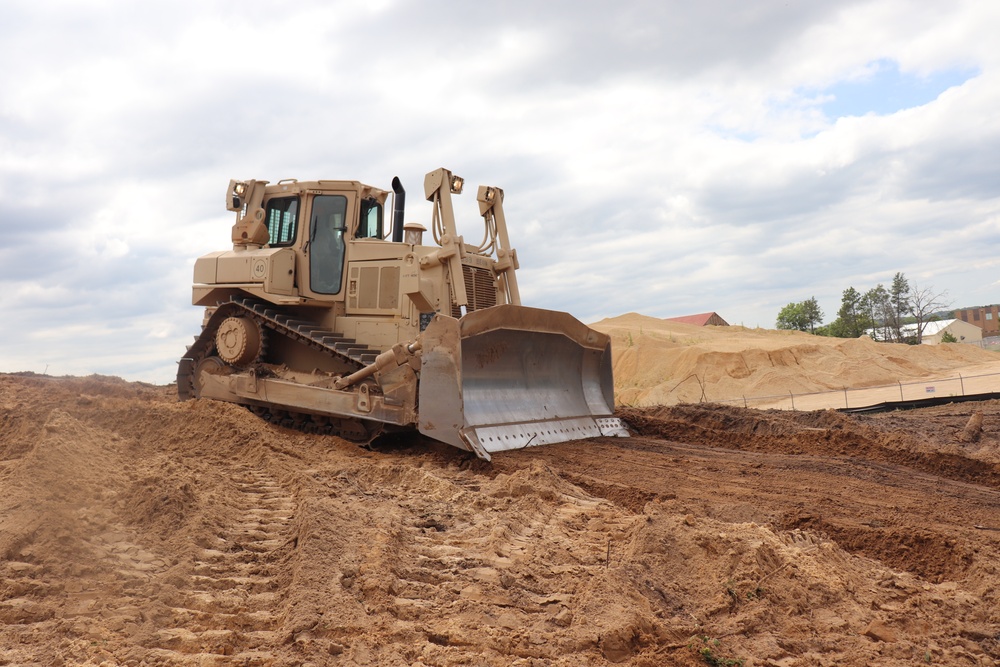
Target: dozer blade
[(509, 377)]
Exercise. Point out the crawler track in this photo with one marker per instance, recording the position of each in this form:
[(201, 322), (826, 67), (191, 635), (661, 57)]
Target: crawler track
[(352, 354)]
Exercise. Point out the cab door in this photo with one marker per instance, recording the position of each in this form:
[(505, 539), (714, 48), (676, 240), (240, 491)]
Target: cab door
[(327, 243)]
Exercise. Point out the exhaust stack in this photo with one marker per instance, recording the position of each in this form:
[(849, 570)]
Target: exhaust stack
[(398, 205)]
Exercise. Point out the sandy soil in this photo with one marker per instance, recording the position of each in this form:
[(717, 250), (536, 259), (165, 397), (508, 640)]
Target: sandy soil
[(135, 530), (665, 363)]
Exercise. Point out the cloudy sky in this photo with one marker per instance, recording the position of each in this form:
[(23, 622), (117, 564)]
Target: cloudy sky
[(659, 157)]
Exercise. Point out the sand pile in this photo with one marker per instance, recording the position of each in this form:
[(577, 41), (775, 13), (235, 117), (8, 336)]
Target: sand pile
[(657, 362)]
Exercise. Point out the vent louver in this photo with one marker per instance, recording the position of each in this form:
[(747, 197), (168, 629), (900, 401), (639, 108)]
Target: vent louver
[(480, 287)]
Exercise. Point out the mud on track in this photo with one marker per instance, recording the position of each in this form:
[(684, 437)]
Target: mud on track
[(136, 530)]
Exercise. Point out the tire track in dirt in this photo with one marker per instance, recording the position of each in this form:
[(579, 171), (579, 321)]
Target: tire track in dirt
[(228, 607), (472, 547), (111, 569), (133, 555)]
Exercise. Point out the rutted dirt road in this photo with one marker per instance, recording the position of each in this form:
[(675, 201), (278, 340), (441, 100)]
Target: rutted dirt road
[(136, 530)]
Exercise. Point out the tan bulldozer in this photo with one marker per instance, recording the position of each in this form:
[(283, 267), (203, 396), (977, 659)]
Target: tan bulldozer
[(321, 319)]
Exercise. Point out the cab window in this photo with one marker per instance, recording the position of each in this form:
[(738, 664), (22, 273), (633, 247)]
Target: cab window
[(370, 224), (326, 243), (282, 220)]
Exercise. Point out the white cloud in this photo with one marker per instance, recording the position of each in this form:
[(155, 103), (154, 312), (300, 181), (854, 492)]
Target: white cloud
[(665, 158)]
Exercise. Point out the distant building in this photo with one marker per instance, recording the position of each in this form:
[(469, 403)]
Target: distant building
[(960, 329), (701, 320), (984, 317)]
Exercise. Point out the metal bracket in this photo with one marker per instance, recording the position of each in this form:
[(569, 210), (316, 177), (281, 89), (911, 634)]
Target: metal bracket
[(470, 438), (364, 399)]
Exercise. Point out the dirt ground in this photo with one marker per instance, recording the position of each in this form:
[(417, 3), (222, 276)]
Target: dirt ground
[(136, 530), (659, 362)]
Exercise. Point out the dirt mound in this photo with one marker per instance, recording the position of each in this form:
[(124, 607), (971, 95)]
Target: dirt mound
[(662, 363), (138, 530)]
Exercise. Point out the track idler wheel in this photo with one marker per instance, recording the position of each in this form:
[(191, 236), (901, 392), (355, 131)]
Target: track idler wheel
[(239, 341)]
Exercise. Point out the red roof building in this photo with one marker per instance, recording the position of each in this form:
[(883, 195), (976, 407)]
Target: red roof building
[(702, 320)]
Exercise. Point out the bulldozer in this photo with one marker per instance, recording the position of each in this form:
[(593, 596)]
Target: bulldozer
[(323, 317)]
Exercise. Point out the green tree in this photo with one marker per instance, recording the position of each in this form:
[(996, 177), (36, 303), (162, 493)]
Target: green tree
[(813, 313), (791, 317), (885, 312), (828, 330), (899, 307), (876, 306), (948, 337), (852, 321), (801, 316)]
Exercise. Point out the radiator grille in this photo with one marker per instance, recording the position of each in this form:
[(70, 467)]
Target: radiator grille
[(480, 287)]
